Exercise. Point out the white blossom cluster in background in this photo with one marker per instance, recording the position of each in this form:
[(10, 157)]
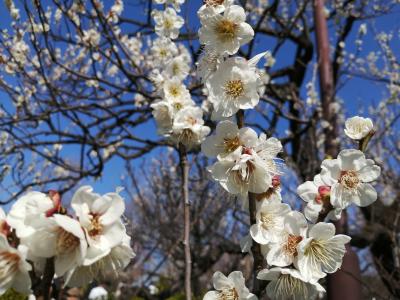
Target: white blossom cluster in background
[(87, 246), (299, 253), (176, 114)]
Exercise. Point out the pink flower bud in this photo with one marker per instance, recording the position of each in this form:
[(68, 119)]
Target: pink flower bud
[(324, 190), (276, 181), (56, 198)]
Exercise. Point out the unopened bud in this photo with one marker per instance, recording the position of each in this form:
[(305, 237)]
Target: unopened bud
[(276, 181), (324, 193), (56, 198)]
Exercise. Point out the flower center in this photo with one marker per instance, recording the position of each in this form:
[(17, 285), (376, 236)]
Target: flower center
[(349, 179), (317, 251), (177, 106), (232, 144), (95, 228), (226, 30), (358, 127), (168, 24), (267, 220), (234, 88), (174, 91), (66, 242), (243, 174), (175, 69), (287, 286), (213, 2), (290, 247), (228, 294)]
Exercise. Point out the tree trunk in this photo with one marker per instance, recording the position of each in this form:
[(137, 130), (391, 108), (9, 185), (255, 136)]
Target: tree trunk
[(345, 283)]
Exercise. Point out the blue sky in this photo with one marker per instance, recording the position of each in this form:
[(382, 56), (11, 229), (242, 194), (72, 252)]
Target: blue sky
[(359, 93)]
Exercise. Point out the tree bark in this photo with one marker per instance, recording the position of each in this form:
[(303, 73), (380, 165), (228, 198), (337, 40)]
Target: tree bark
[(345, 283), (258, 258), (186, 215)]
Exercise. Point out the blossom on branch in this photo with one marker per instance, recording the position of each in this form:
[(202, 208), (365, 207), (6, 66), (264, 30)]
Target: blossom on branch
[(231, 287), (233, 86), (317, 195), (286, 283), (321, 252), (225, 33), (167, 22), (349, 177), (358, 128)]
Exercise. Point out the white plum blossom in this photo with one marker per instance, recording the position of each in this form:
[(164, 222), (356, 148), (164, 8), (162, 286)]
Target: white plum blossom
[(225, 33), (227, 139), (14, 269), (60, 237), (175, 91), (349, 177), (242, 173), (232, 87), (188, 127), (268, 149), (91, 37), (175, 3), (163, 113), (98, 293), (116, 10), (177, 67), (357, 127), (231, 287), (245, 163), (14, 11), (211, 8), (270, 221), (289, 284), (116, 260), (176, 97), (317, 195), (167, 22), (30, 209), (321, 252), (208, 63), (100, 217), (163, 49), (284, 251)]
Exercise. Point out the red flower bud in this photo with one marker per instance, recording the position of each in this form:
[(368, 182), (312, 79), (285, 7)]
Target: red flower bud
[(56, 198)]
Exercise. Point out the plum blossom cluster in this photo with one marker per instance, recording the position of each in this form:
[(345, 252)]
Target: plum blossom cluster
[(345, 180), (87, 246), (299, 249), (176, 114), (232, 82), (245, 162)]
